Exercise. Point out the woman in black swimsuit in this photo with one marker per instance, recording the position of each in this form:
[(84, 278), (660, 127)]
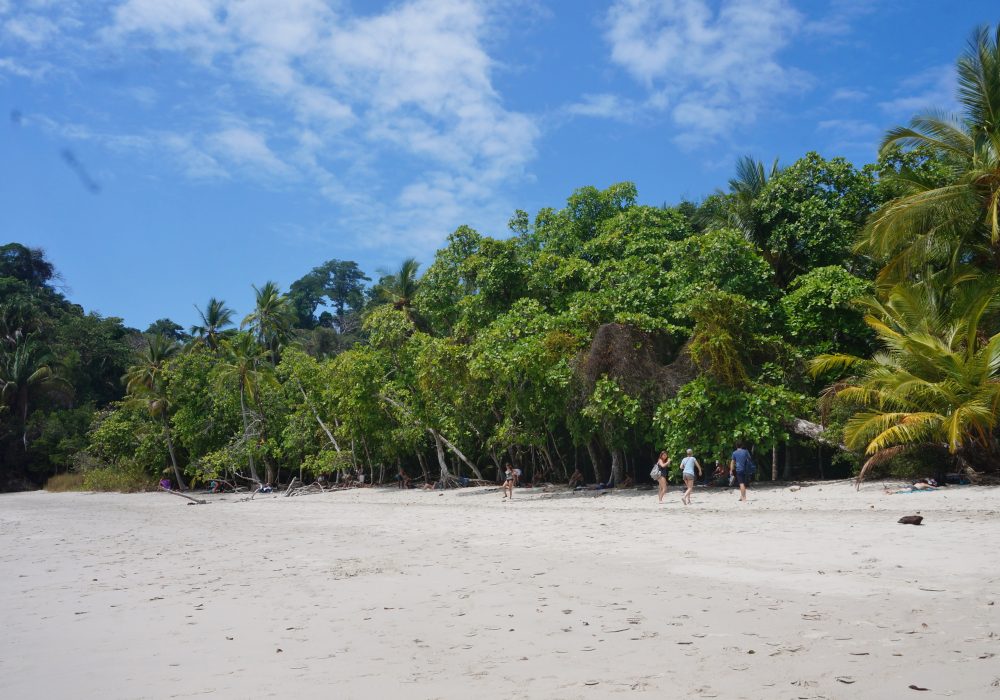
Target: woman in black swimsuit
[(664, 464)]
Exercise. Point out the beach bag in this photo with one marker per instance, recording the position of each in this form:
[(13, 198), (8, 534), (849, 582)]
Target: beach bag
[(654, 474)]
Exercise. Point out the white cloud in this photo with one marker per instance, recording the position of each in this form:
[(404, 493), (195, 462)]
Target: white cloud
[(603, 105), (931, 89), (850, 129), (391, 114), (715, 69), (848, 95), (248, 150), (34, 30)]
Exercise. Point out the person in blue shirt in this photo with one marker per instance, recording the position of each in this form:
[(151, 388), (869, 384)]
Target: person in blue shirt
[(743, 467)]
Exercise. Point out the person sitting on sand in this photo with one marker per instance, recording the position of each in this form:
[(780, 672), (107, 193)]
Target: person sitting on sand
[(508, 483), (626, 482), (719, 476), (688, 465), (165, 484), (577, 478)]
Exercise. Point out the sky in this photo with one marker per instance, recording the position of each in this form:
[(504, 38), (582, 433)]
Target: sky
[(163, 152)]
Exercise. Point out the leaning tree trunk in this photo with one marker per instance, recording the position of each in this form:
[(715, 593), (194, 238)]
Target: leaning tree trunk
[(593, 460), (173, 458), (423, 467), (445, 476)]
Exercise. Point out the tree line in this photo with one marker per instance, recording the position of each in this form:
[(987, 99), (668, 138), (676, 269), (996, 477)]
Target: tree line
[(839, 319)]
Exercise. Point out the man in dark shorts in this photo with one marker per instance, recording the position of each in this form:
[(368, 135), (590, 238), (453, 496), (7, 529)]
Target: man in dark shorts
[(743, 467)]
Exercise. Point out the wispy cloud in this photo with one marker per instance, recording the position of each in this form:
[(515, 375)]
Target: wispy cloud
[(848, 95), (392, 115), (711, 70), (931, 89), (605, 105)]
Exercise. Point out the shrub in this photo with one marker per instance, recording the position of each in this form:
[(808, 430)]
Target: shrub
[(69, 481), (127, 477)]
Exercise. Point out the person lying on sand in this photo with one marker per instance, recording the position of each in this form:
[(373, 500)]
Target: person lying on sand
[(920, 485)]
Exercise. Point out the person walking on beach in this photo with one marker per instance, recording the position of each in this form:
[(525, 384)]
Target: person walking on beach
[(743, 467), (688, 466), (508, 483), (663, 463)]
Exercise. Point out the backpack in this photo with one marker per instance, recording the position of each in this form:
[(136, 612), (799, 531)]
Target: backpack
[(654, 474)]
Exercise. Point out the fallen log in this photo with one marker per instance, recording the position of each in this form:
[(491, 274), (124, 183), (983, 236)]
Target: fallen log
[(197, 501), (813, 431)]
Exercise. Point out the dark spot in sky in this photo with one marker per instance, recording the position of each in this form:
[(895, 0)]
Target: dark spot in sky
[(15, 117), (81, 172)]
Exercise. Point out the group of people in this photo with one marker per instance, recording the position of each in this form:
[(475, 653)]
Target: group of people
[(741, 471)]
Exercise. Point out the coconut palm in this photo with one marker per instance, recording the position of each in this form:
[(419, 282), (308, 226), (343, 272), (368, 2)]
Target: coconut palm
[(214, 319), (399, 287), (937, 380), (751, 178), (272, 318), (245, 363), (954, 219), (145, 382)]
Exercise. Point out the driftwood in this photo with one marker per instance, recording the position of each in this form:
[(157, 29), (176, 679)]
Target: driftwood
[(184, 495), (813, 431)]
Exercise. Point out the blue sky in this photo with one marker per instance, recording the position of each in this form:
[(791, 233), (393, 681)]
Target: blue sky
[(166, 151)]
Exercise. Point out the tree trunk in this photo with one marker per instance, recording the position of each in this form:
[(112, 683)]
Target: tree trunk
[(562, 462), (246, 436), (23, 400), (423, 467), (774, 462), (787, 472), (173, 459), (591, 450), (616, 466), (438, 437), (319, 420), (441, 460), (458, 453)]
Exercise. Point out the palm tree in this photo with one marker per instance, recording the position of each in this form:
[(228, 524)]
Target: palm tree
[(957, 220), (246, 363), (399, 287), (145, 383), (751, 178), (937, 381), (271, 320), (214, 318), (25, 372)]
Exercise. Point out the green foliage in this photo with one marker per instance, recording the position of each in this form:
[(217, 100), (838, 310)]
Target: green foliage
[(822, 314), (128, 477), (812, 212), (710, 417), (125, 433)]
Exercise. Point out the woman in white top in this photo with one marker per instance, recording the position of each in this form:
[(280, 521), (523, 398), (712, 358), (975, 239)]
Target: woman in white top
[(688, 465)]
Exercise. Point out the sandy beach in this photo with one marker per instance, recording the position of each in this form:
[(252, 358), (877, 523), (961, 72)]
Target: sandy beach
[(368, 593)]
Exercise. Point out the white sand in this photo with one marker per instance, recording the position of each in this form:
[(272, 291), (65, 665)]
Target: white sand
[(387, 594)]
